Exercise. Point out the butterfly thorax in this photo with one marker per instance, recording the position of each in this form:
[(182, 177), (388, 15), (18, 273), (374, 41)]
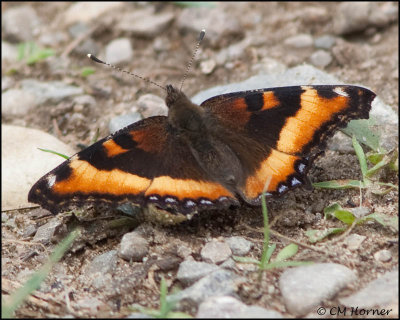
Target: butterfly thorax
[(197, 128)]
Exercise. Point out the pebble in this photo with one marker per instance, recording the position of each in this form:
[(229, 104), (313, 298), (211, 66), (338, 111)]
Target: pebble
[(122, 121), (230, 307), (321, 58), (354, 241), (325, 42), (190, 271), (208, 66), (223, 27), (169, 262), (217, 283), (133, 247), (9, 52), (215, 252), (20, 23), (17, 102), (239, 246), (18, 175), (89, 303), (305, 287), (45, 233), (360, 212), (383, 255), (103, 263), (380, 292), (145, 22), (359, 16), (88, 11), (50, 92), (119, 51), (152, 105), (299, 41)]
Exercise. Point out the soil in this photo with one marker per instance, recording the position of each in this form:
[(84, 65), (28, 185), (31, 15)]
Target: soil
[(291, 215)]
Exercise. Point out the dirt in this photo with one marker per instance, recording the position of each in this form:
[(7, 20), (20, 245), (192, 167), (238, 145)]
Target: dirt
[(292, 215)]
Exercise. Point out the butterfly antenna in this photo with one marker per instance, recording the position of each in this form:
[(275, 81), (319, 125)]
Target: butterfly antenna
[(95, 59), (201, 36)]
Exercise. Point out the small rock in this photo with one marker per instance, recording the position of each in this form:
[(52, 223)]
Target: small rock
[(223, 30), (88, 11), (299, 41), (18, 175), (133, 247), (325, 42), (17, 102), (190, 271), (145, 22), (383, 255), (20, 23), (45, 233), (218, 283), (183, 251), (122, 121), (9, 53), (378, 293), (52, 91), (353, 241), (216, 252), (29, 231), (52, 39), (89, 303), (208, 66), (360, 212), (239, 246), (220, 307), (229, 264), (321, 58), (104, 263), (256, 312), (119, 51), (168, 263), (152, 105), (306, 287)]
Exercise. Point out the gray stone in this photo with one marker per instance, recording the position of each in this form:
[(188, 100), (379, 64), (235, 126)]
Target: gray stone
[(381, 292), (52, 91), (17, 102), (152, 105), (18, 174), (218, 283), (354, 241), (360, 212), (88, 11), (239, 246), (20, 22), (325, 42), (190, 271), (383, 255), (9, 53), (45, 233), (299, 41), (104, 263), (122, 121), (358, 16), (145, 22), (220, 307), (321, 58), (119, 51), (304, 288), (256, 312), (133, 247), (215, 252), (223, 27), (208, 66)]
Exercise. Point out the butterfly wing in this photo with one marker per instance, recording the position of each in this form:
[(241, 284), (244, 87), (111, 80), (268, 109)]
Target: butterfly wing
[(287, 128), (143, 163)]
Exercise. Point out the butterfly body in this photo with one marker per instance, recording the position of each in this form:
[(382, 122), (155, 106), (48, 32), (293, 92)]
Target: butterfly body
[(207, 156)]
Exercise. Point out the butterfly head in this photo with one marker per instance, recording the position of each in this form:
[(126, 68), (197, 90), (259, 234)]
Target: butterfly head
[(183, 114)]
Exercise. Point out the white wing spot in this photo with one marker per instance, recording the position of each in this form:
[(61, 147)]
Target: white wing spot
[(51, 180)]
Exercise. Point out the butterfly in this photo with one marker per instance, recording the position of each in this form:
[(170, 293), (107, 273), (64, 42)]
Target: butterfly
[(207, 156)]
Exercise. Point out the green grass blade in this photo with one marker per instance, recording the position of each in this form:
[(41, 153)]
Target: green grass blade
[(339, 184), (38, 277), (360, 155), (318, 235), (335, 210), (287, 252), (363, 131), (54, 152)]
